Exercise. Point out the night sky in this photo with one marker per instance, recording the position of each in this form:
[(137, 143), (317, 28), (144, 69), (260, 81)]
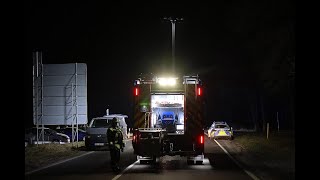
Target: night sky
[(240, 49)]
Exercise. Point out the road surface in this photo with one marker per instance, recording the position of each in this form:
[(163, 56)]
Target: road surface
[(96, 166)]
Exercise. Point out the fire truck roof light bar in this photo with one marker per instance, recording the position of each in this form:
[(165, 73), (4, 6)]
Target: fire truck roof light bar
[(167, 81)]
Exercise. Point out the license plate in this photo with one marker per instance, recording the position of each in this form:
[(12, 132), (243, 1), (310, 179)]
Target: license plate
[(98, 144)]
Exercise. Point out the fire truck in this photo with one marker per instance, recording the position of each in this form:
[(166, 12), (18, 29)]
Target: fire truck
[(168, 118)]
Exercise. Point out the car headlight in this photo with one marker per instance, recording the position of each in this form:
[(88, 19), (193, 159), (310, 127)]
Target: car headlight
[(88, 136)]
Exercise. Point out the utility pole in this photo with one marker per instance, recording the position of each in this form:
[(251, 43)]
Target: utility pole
[(173, 21)]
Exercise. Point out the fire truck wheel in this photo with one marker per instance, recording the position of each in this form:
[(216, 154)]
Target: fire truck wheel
[(190, 162), (143, 161)]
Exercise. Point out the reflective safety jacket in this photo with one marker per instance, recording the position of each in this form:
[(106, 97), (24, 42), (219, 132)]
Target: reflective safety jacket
[(115, 137)]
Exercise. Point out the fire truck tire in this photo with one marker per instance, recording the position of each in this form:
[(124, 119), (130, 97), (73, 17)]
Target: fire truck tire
[(143, 161), (155, 159), (190, 162)]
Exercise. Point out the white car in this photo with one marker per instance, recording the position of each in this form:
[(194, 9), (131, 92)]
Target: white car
[(220, 130), (96, 134)]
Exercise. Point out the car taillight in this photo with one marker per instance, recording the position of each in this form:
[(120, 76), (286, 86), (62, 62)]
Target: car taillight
[(201, 139)]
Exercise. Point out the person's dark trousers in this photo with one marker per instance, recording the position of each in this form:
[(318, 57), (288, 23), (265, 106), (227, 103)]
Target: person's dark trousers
[(115, 157)]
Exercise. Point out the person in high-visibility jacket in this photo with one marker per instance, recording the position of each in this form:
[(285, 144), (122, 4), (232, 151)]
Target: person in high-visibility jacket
[(116, 144)]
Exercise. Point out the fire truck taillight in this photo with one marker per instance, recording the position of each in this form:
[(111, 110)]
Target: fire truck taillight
[(201, 139), (199, 91), (136, 91)]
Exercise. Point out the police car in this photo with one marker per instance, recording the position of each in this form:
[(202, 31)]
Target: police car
[(220, 130)]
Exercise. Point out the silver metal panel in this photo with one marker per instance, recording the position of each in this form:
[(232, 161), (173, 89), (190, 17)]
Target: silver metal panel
[(58, 94), (64, 91), (62, 101), (64, 69), (64, 80), (63, 110), (52, 120)]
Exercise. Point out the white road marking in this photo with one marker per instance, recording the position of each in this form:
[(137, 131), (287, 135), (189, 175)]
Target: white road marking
[(130, 166), (235, 161), (60, 162)]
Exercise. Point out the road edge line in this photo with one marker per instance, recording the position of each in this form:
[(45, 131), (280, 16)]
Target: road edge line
[(56, 163), (235, 161), (129, 167)]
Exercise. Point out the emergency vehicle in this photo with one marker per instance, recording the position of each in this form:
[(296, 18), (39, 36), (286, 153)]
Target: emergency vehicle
[(168, 118)]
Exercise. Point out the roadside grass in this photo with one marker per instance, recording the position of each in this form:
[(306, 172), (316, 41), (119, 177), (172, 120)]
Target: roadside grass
[(272, 158), (45, 154), (280, 145)]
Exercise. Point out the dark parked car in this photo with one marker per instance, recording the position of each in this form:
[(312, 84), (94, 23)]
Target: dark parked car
[(50, 136), (68, 131)]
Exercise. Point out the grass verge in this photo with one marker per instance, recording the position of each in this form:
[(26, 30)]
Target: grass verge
[(279, 146), (45, 154), (272, 158)]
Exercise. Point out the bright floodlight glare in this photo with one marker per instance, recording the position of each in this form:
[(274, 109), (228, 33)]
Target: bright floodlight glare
[(167, 81), (162, 81), (171, 81)]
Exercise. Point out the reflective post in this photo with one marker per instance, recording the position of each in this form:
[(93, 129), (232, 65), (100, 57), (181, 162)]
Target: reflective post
[(267, 130)]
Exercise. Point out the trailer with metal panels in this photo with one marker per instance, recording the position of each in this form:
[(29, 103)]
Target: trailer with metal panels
[(59, 95)]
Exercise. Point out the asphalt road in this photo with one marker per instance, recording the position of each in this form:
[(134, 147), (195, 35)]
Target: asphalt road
[(96, 165)]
